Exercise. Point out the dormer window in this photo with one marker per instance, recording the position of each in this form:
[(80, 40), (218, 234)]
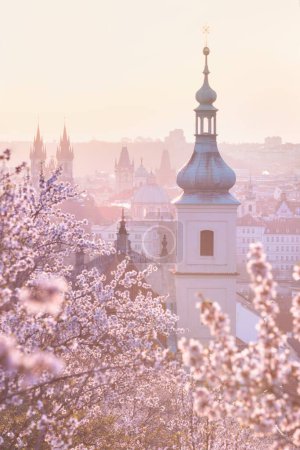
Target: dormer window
[(206, 243)]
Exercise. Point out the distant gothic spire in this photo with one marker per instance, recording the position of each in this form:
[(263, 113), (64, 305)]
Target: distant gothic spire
[(38, 150), (65, 151), (165, 174), (122, 227), (37, 157), (250, 195), (164, 247), (122, 242), (165, 163), (65, 156), (124, 160), (206, 178), (124, 170)]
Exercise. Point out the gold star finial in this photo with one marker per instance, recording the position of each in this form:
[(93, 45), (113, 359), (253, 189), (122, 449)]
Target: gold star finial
[(206, 31)]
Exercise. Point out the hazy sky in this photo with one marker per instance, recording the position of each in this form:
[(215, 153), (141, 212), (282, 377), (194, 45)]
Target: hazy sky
[(119, 68)]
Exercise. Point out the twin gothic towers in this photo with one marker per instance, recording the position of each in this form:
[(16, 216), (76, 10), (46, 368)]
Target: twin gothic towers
[(64, 158), (206, 215)]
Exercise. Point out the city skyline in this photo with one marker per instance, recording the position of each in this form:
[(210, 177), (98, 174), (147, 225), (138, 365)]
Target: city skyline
[(98, 68)]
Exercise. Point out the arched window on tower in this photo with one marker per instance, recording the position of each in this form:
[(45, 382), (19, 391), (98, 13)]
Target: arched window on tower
[(206, 243), (205, 125)]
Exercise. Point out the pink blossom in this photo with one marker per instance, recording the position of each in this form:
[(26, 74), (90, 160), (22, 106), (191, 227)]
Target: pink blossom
[(45, 295)]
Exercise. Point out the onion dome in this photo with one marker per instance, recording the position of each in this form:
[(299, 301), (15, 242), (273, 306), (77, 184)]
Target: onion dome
[(206, 173), (206, 96), (150, 193), (206, 178)]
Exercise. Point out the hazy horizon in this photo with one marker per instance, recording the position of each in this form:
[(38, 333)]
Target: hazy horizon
[(116, 69)]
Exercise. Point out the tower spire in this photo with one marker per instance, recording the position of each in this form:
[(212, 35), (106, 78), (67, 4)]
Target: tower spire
[(124, 170), (37, 156), (206, 176), (164, 247), (65, 156), (206, 96), (122, 242)]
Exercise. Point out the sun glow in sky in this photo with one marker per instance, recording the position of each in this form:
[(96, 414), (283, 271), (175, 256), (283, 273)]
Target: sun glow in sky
[(116, 68)]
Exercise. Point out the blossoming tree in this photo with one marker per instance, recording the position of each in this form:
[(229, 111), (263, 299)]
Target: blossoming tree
[(83, 356), (70, 347), (259, 385)]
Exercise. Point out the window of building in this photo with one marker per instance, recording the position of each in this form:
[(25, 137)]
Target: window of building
[(206, 243)]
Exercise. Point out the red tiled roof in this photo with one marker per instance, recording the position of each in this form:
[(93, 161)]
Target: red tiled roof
[(283, 226), (249, 220)]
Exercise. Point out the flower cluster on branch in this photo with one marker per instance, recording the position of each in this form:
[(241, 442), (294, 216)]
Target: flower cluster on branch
[(260, 384)]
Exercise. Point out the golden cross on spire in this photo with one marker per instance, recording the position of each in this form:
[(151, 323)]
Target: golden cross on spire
[(206, 31)]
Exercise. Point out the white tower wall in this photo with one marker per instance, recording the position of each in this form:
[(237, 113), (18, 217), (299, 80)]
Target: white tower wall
[(214, 277)]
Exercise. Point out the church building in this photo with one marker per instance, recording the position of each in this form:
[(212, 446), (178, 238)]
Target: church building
[(206, 230)]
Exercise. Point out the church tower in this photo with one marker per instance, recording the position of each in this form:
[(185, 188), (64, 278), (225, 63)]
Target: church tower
[(206, 214), (122, 243), (248, 204), (65, 156), (37, 158), (124, 170), (165, 175)]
